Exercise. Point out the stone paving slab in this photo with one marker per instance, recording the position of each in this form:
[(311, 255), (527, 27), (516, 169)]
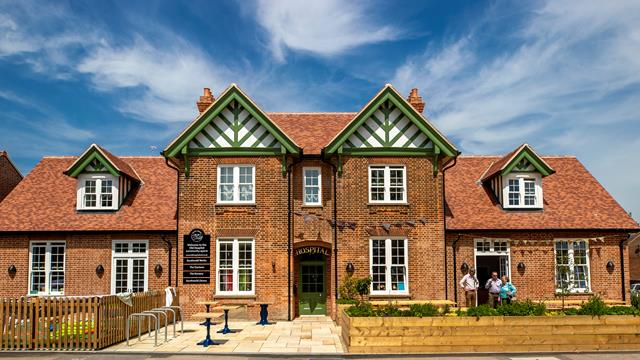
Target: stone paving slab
[(316, 334)]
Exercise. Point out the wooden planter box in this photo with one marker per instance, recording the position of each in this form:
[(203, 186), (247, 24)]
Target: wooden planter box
[(489, 334)]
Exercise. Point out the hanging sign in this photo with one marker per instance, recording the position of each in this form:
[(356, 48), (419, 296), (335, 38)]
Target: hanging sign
[(197, 258), (311, 250)]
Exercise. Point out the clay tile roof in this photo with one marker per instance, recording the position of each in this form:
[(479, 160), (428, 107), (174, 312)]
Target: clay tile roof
[(573, 199), (46, 200), (312, 131), (120, 164)]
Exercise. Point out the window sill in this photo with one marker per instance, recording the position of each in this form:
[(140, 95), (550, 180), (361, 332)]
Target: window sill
[(234, 296), (387, 204), (389, 296), (235, 204), (318, 206), (575, 293)]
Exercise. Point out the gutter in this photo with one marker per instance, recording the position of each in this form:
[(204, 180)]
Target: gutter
[(289, 232), (455, 273), (335, 227), (166, 160), (622, 244), (444, 220)]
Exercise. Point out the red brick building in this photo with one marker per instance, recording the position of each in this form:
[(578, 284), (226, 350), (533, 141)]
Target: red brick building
[(283, 207), (93, 224), (10, 176), (293, 203)]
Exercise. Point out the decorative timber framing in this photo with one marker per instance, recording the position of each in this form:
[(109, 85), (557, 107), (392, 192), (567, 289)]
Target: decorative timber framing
[(95, 159), (232, 126), (389, 126)]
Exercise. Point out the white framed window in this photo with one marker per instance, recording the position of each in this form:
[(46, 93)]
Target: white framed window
[(236, 184), (522, 191), (389, 268), (97, 192), (235, 266), (129, 266), (312, 186), (572, 265), (387, 184), (46, 267)]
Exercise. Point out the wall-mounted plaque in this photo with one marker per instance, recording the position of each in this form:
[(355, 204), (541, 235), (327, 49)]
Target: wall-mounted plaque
[(196, 252)]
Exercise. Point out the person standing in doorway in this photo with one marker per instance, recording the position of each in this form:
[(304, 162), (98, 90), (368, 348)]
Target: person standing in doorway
[(470, 285), (493, 285), (507, 291)]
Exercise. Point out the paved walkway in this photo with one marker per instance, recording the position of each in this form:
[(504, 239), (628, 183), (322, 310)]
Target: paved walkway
[(311, 334)]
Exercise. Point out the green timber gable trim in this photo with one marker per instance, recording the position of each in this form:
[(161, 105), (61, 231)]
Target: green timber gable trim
[(385, 102), (526, 160), (235, 102), (89, 161)]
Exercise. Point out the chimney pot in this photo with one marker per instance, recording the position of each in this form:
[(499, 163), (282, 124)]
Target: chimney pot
[(416, 100), (205, 100)]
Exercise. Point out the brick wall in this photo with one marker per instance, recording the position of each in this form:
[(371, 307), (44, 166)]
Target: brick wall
[(266, 222), (425, 242), (9, 177), (83, 253), (537, 280)]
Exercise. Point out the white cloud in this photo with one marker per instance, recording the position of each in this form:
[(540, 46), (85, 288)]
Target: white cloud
[(170, 78), (325, 28), (564, 81)]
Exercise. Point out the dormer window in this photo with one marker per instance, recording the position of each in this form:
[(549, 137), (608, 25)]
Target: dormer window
[(522, 190), (97, 192), (516, 179), (103, 179)]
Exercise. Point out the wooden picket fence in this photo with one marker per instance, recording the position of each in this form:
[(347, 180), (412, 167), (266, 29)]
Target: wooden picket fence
[(70, 323)]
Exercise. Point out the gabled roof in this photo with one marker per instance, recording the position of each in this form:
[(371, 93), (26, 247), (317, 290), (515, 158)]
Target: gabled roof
[(573, 199), (506, 164), (232, 93), (114, 165), (388, 93), (5, 155), (46, 200)]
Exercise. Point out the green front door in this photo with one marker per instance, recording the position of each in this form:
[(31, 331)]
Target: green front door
[(312, 293)]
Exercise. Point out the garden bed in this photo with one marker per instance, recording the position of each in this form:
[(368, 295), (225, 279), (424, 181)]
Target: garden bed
[(489, 334)]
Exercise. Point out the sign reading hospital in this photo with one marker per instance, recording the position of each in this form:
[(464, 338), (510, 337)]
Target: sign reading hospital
[(197, 244), (311, 250)]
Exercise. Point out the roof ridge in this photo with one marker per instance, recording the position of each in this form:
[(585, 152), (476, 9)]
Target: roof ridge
[(487, 156)]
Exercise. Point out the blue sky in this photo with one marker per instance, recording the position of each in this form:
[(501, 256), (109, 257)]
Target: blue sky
[(563, 76)]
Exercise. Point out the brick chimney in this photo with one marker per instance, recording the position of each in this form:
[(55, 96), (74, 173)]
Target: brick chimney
[(205, 100), (416, 100)]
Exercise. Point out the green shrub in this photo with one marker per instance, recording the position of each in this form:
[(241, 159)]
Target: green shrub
[(570, 311), (482, 310), (424, 310), (635, 300), (522, 308), (594, 307), (362, 286), (623, 310), (347, 301), (390, 310), (347, 291), (361, 309)]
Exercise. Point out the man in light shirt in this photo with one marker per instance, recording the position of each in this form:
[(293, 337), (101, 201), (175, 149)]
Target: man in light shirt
[(493, 285), (470, 285)]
